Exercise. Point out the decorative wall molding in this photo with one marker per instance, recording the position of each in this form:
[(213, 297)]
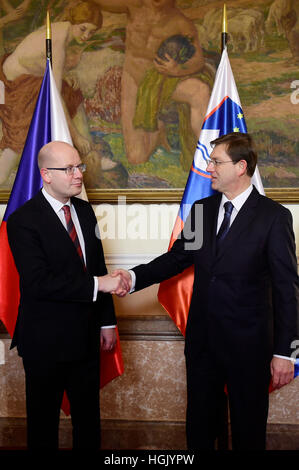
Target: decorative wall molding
[(128, 260), (139, 328), (148, 328)]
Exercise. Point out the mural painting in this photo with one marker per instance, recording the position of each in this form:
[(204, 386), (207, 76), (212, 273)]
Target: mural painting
[(135, 78)]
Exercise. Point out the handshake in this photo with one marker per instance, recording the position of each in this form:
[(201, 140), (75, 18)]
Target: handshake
[(119, 282)]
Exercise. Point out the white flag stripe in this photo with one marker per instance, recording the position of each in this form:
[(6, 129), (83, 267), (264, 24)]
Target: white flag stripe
[(224, 84), (59, 127), (257, 181)]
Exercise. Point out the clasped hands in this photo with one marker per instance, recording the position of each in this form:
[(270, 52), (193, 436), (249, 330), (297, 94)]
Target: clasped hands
[(119, 282)]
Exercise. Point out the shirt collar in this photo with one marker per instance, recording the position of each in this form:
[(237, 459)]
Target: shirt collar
[(239, 200), (55, 204)]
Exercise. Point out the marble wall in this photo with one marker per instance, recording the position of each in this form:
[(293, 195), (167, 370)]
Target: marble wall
[(151, 389), (145, 407)]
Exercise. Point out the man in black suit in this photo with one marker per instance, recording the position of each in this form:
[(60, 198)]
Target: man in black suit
[(65, 313), (243, 315)]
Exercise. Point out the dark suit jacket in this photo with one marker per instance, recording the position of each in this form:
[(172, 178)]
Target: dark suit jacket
[(245, 298), (57, 318)]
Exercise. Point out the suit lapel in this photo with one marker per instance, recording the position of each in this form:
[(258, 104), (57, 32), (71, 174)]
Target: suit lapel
[(50, 220), (55, 229), (243, 219), (210, 215), (84, 224), (214, 220)]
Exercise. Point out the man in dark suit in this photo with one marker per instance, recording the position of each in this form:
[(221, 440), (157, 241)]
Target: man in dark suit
[(65, 313), (243, 315)]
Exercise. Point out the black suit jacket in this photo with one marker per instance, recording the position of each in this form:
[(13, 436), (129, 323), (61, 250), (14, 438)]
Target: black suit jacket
[(57, 318), (245, 297)]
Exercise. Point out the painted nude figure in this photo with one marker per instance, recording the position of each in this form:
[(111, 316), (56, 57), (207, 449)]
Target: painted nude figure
[(149, 24), (22, 73), (11, 14)]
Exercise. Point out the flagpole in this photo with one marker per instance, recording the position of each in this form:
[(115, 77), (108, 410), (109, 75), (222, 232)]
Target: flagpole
[(224, 29), (48, 39), (222, 438)]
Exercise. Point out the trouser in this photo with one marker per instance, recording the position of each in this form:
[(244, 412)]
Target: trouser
[(248, 394), (46, 382)]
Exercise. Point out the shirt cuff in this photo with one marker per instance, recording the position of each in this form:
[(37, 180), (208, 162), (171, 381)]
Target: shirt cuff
[(133, 278), (292, 359), (95, 289)]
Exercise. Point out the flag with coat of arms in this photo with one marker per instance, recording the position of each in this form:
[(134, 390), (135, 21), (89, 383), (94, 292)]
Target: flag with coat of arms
[(224, 115)]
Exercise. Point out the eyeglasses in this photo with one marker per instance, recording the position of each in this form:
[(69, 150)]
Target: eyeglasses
[(70, 170), (215, 163)]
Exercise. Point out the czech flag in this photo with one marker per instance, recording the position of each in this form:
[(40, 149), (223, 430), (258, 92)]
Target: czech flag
[(48, 124)]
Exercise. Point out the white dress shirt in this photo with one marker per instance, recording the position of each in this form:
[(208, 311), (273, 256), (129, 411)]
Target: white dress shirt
[(237, 203), (57, 207)]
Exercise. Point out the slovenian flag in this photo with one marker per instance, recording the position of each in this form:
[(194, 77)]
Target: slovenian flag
[(48, 124), (224, 115)]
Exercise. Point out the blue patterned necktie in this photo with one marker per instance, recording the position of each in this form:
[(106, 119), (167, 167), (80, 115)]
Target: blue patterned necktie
[(228, 207)]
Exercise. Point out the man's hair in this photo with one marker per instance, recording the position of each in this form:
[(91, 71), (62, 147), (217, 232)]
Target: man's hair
[(239, 146)]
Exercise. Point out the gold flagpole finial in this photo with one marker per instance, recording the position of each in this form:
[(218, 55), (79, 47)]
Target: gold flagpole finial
[(48, 39), (224, 20), (224, 29), (48, 36)]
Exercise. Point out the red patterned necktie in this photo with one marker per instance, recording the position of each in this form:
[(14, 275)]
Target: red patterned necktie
[(72, 231)]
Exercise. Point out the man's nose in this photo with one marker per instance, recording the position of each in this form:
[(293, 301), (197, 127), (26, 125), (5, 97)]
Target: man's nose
[(210, 167), (78, 172)]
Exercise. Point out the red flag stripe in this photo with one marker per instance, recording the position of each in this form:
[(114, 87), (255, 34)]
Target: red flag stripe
[(9, 285)]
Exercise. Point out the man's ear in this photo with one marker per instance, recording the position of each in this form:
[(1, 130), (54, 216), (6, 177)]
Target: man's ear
[(243, 166), (45, 174)]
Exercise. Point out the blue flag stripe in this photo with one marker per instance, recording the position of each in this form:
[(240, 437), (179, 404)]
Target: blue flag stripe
[(28, 180)]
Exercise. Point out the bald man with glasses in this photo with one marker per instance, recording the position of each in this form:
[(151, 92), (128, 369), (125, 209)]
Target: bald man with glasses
[(66, 312)]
